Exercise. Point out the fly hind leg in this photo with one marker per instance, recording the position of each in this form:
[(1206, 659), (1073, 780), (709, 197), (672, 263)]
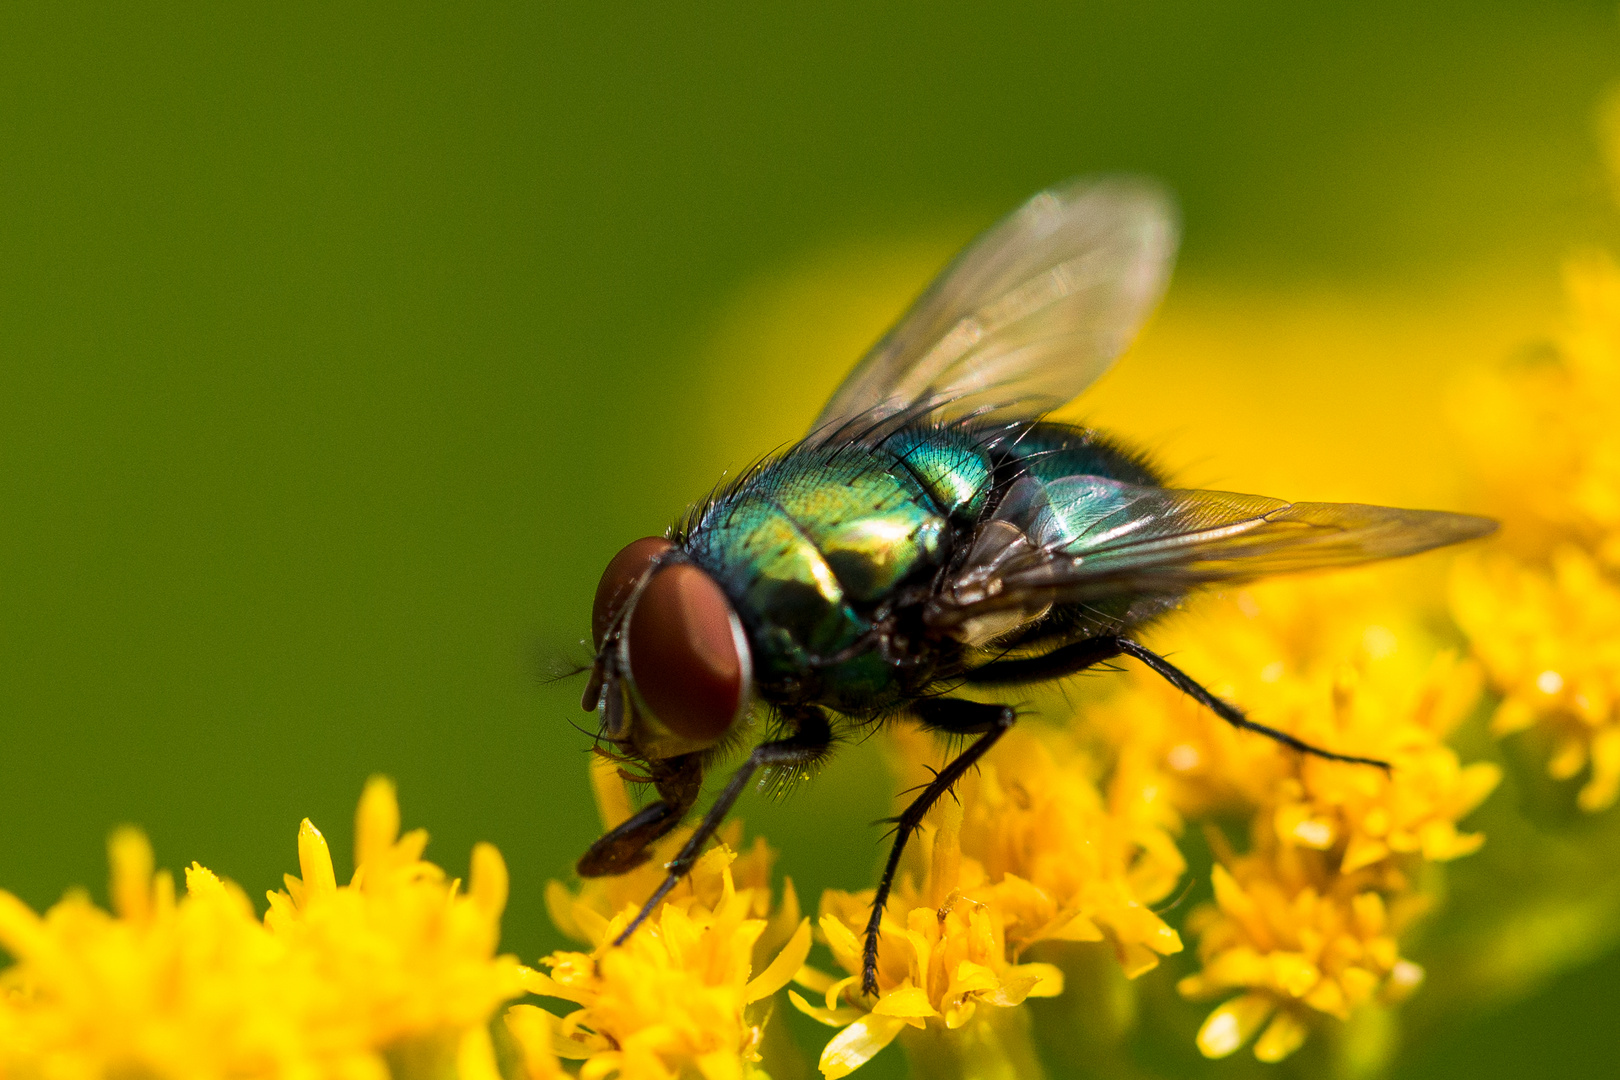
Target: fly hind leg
[(1080, 655), (954, 717)]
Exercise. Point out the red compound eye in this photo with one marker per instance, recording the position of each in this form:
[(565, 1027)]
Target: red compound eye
[(687, 662), (619, 580)]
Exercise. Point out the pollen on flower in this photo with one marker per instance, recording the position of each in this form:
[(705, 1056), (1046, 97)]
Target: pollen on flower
[(392, 973)]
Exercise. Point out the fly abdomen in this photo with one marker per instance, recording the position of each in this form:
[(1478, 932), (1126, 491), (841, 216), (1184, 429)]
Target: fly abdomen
[(1049, 451)]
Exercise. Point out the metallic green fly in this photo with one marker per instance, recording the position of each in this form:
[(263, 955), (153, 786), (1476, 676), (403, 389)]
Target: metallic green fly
[(933, 532)]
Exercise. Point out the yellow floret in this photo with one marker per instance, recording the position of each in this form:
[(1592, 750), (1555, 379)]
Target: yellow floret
[(943, 953), (1358, 681), (1550, 642), (1543, 611), (394, 974), (1544, 433), (1297, 938), (1066, 862), (680, 994)]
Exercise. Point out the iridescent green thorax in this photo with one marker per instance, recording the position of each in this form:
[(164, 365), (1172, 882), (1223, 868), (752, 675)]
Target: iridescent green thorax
[(952, 464), (810, 545)]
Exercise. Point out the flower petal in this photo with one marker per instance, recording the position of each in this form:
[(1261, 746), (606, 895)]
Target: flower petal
[(783, 968), (1230, 1025), (858, 1044), (908, 1002), (831, 1017), (314, 862), (1285, 1034)]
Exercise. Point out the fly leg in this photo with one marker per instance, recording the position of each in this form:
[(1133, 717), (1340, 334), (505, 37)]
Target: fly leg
[(955, 717), (678, 780), (1083, 654), (1067, 660), (807, 744)]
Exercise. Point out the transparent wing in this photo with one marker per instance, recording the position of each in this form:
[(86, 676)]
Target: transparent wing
[(1029, 315), (1087, 538)]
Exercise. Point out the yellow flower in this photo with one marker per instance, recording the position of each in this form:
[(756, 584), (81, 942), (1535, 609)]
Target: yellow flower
[(680, 996), (1301, 925), (1297, 937), (1066, 863), (1325, 660), (401, 951), (533, 1032), (392, 974), (1550, 641), (580, 915), (1028, 850), (1543, 614), (943, 953), (1544, 434)]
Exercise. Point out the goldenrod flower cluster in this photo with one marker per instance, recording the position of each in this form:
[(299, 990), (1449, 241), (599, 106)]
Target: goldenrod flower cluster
[(943, 954), (392, 974), (689, 992), (1302, 923), (1030, 851), (1294, 936), (1543, 611), (678, 993)]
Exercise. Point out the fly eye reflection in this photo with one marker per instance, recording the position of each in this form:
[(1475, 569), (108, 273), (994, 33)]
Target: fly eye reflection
[(685, 653), (686, 658)]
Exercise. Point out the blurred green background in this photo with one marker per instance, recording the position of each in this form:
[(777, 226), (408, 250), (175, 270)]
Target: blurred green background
[(341, 346)]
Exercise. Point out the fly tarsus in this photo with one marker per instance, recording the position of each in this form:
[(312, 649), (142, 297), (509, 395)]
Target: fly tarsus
[(954, 717), (1231, 713)]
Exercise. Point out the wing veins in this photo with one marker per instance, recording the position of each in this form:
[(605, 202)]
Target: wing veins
[(1028, 315)]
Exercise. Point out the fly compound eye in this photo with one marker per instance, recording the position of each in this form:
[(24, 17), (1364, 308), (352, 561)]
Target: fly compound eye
[(689, 661), (619, 580)]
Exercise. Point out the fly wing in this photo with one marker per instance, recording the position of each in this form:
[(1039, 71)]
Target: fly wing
[(1029, 315), (1085, 539)]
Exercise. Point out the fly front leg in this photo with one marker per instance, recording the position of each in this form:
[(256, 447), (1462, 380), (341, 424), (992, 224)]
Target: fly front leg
[(954, 717), (807, 744), (678, 781)]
